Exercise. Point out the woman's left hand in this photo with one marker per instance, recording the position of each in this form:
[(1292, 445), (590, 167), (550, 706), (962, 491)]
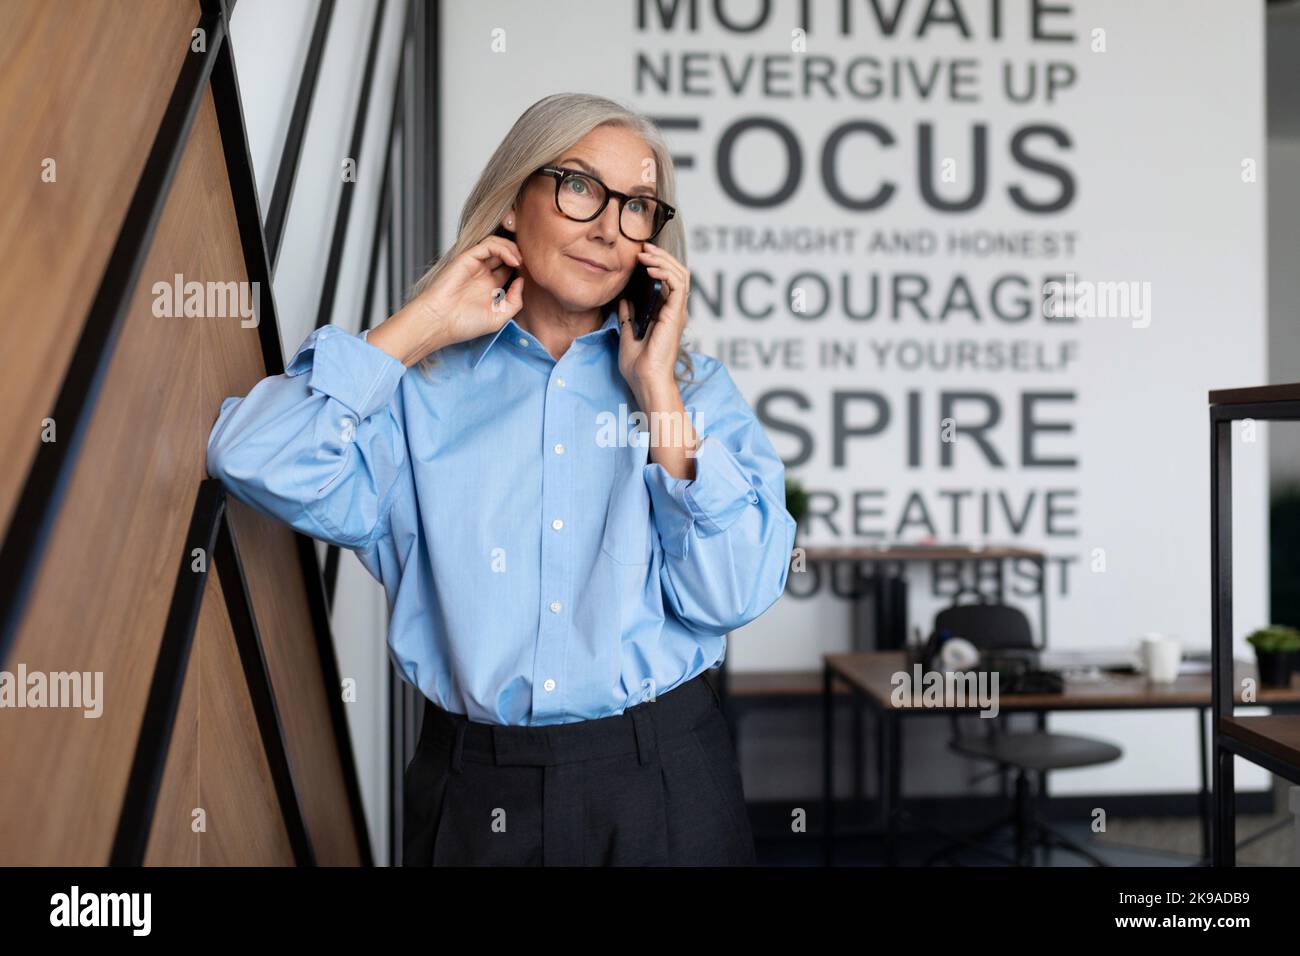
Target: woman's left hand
[(648, 364)]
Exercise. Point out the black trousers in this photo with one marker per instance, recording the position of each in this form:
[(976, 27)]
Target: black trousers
[(657, 785)]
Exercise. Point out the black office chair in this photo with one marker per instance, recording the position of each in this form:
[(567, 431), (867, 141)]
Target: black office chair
[(1001, 627)]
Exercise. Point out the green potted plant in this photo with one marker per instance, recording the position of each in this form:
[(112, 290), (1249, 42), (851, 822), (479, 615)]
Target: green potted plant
[(796, 502), (1277, 650)]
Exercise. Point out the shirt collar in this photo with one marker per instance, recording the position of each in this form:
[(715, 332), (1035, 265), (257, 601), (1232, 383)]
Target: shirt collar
[(483, 344)]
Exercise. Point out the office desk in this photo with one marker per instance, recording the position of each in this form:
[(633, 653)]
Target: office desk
[(856, 572), (868, 676)]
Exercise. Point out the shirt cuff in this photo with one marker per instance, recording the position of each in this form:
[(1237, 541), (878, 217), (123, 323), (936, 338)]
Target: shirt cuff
[(718, 495), (361, 376)]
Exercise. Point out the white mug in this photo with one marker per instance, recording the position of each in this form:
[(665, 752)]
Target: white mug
[(1160, 656)]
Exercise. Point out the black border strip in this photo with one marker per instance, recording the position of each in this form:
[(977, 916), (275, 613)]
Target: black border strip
[(330, 574), (419, 230), (382, 216), (278, 211), (382, 220), (432, 115), (248, 216), (390, 244), (343, 215), (395, 764)]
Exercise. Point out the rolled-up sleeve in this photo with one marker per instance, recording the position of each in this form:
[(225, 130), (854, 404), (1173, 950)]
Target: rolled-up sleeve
[(321, 445), (726, 534), (349, 369)]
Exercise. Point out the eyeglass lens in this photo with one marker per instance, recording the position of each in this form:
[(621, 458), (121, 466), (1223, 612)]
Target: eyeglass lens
[(580, 196)]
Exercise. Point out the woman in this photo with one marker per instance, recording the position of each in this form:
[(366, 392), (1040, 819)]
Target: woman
[(559, 576)]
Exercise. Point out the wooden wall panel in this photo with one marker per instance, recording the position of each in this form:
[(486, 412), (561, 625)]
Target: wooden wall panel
[(85, 83), (215, 763), (278, 594), (103, 587)]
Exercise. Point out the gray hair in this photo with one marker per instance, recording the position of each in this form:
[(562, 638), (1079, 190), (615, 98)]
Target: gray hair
[(540, 136)]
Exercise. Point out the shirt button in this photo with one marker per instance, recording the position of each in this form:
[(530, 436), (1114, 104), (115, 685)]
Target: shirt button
[(549, 685), (560, 382), (559, 448), (524, 343), (557, 524), (555, 607)]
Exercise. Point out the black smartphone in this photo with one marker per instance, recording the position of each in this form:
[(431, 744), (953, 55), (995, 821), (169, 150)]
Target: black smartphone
[(642, 293), (504, 233)]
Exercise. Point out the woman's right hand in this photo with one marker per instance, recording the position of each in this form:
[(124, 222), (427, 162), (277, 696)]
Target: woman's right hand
[(461, 304)]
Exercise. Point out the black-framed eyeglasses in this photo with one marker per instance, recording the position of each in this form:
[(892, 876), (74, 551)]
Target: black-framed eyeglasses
[(583, 197)]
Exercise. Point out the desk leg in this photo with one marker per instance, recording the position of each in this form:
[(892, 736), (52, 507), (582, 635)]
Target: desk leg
[(1205, 787), (887, 729), (891, 610), (1042, 601), (1224, 845), (1041, 796), (828, 778), (857, 747)]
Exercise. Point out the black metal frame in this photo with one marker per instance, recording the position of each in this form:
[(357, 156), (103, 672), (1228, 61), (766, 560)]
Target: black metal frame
[(1225, 748), (420, 240), (277, 212), (382, 217), (343, 215)]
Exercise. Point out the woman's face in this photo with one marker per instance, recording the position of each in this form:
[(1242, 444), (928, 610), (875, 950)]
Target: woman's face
[(552, 244)]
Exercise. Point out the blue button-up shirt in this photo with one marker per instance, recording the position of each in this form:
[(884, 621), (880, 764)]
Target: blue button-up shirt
[(539, 567)]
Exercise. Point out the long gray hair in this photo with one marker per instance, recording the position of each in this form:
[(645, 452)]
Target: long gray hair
[(541, 136)]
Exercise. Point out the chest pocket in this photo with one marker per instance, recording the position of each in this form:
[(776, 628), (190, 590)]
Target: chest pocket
[(626, 538)]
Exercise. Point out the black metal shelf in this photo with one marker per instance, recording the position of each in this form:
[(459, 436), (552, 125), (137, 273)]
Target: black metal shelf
[(1273, 741)]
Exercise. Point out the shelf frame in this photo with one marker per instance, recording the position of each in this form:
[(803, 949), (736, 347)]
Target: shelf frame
[(1264, 403)]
